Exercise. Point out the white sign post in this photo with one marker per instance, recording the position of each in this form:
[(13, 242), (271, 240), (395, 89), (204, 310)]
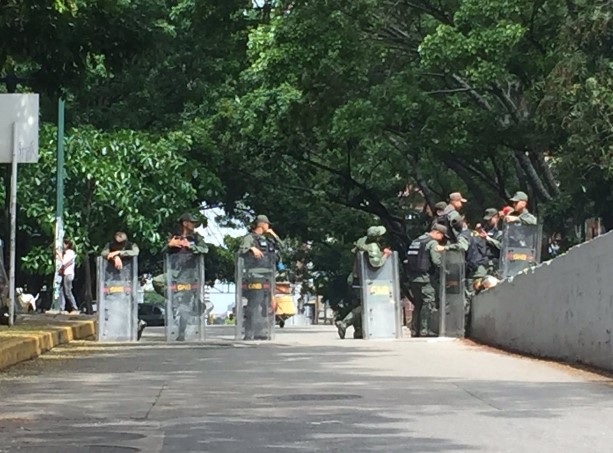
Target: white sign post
[(18, 144)]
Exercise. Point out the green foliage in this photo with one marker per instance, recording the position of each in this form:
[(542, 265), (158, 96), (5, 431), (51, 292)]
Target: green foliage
[(327, 116), (114, 181)]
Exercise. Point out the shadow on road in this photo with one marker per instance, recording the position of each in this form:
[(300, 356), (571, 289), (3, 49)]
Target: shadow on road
[(236, 397)]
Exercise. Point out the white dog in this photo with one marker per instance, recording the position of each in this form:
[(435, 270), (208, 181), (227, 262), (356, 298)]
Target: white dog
[(27, 302)]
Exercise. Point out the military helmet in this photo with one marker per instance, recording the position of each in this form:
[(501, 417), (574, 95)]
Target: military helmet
[(188, 217), (376, 231)]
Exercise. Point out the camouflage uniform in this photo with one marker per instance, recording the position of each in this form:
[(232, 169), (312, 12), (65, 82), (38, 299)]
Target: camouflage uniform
[(376, 258), (423, 292)]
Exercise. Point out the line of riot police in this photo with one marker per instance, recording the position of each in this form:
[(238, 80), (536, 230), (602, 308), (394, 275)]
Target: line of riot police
[(442, 269), (183, 285)]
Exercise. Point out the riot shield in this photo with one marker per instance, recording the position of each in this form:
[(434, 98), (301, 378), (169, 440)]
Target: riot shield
[(185, 306), (451, 312), (255, 287), (380, 293), (521, 248), (117, 304)]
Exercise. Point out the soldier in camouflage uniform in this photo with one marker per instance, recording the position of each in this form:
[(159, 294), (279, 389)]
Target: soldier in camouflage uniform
[(370, 245), (260, 252), (520, 210), (423, 265), (184, 242)]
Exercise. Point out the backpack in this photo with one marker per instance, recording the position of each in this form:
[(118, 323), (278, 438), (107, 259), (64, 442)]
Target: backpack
[(418, 260), (476, 255)]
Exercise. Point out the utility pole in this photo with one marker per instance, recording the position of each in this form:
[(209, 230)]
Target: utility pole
[(59, 205)]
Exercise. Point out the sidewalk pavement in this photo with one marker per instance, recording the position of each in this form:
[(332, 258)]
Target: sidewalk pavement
[(34, 335)]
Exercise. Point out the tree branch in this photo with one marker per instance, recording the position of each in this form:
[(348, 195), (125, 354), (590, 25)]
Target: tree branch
[(395, 140), (476, 96), (455, 90), (533, 177)]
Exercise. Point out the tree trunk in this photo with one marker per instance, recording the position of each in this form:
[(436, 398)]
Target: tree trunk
[(539, 188), (421, 181), (475, 191), (549, 179)]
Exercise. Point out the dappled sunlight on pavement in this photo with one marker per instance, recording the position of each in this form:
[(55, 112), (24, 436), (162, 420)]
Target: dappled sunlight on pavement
[(306, 391)]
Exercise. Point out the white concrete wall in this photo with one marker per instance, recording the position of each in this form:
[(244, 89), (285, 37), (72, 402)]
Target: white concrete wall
[(562, 309)]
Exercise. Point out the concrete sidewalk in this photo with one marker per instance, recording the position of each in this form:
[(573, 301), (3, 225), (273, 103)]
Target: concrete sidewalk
[(34, 335)]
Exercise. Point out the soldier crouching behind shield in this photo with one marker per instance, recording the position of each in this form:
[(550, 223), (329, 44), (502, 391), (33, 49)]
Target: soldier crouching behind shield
[(371, 246), (259, 250), (184, 242)]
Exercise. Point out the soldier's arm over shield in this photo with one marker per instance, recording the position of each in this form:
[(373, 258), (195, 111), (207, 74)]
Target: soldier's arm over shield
[(527, 219), (199, 246), (493, 241), (461, 244), (130, 251), (248, 245), (106, 251)]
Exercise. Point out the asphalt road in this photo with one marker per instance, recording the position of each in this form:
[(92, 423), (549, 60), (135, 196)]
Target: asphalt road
[(307, 391)]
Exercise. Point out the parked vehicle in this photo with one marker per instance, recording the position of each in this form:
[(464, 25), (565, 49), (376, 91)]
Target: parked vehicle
[(283, 303)]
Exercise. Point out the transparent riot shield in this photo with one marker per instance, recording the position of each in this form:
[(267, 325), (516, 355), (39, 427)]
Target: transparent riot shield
[(117, 304), (451, 312), (380, 293), (185, 306), (521, 248), (255, 287)]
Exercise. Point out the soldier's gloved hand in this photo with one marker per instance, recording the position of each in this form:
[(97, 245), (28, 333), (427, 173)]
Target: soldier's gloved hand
[(439, 248), (175, 242)]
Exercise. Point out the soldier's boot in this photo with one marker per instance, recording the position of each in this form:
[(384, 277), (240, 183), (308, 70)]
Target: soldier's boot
[(182, 327), (424, 328), (342, 329), (357, 324), (141, 328), (416, 325), (349, 319)]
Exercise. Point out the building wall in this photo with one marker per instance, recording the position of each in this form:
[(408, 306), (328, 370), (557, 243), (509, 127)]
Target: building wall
[(562, 309)]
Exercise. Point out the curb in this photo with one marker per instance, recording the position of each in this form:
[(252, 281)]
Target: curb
[(28, 345)]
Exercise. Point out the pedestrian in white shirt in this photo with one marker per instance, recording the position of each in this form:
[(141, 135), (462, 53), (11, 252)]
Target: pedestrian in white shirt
[(68, 273)]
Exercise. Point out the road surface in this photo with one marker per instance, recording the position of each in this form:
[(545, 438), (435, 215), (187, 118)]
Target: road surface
[(306, 392)]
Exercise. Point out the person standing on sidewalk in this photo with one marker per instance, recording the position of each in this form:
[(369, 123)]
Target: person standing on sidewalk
[(68, 273)]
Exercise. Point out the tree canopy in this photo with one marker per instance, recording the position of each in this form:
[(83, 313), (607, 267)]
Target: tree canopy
[(328, 116)]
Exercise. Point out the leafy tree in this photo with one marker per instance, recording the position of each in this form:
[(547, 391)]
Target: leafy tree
[(122, 180)]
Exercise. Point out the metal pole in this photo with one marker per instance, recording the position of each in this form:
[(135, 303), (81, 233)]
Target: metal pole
[(442, 309), (13, 209), (59, 204)]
